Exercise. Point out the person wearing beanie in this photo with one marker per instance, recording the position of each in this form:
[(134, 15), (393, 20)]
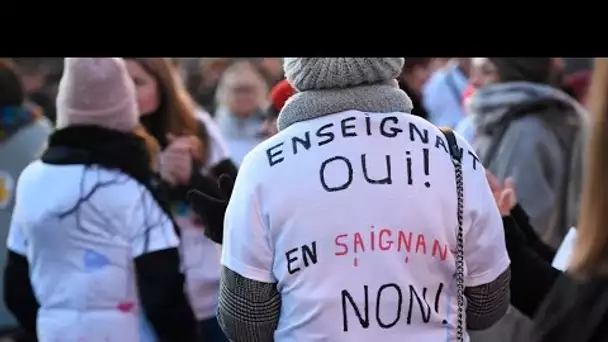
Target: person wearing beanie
[(528, 129), (99, 245), (351, 223)]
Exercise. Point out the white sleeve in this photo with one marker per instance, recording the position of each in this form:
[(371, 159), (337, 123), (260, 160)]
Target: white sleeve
[(218, 147), (486, 254), (246, 248), (16, 241), (152, 228)]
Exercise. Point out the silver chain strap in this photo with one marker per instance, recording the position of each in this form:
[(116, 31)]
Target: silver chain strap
[(456, 156)]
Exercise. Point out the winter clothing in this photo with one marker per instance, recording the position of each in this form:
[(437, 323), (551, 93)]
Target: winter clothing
[(340, 105), (574, 310), (97, 91), (242, 134), (94, 157), (533, 133), (121, 163)]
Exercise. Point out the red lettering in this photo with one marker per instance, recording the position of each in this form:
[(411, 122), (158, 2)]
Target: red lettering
[(389, 243), (359, 243), (404, 242), (420, 242), (443, 254), (340, 244)]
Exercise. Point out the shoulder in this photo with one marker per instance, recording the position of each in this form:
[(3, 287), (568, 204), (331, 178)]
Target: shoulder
[(530, 133), (31, 139), (435, 83)]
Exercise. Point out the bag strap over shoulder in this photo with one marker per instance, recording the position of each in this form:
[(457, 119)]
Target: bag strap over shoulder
[(456, 155)]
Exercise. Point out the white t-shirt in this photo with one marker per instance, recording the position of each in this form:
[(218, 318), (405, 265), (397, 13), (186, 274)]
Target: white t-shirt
[(200, 257), (81, 247), (361, 253)]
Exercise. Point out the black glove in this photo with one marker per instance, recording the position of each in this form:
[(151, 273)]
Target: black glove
[(210, 202)]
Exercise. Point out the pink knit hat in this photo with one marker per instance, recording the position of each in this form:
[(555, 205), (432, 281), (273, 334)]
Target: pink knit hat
[(97, 91)]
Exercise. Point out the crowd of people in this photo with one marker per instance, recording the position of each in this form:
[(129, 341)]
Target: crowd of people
[(302, 199)]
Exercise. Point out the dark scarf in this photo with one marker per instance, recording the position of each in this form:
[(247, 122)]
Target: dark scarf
[(13, 118), (92, 145)]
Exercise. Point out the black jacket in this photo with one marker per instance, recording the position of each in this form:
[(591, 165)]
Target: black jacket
[(563, 309)]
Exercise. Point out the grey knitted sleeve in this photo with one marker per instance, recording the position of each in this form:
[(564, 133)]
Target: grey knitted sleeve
[(488, 303), (248, 310)]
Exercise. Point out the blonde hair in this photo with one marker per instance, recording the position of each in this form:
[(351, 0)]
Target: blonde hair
[(590, 255), (242, 70)]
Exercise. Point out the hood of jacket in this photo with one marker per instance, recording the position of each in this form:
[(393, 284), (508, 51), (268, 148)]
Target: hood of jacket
[(495, 105)]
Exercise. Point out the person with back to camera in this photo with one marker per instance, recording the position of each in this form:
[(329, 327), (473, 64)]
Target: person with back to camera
[(366, 237), (91, 228)]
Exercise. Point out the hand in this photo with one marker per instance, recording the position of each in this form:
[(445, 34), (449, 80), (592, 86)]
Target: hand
[(192, 141), (209, 201), (176, 161), (504, 195)]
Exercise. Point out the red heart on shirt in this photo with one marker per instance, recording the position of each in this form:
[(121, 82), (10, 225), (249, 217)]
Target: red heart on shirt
[(125, 306)]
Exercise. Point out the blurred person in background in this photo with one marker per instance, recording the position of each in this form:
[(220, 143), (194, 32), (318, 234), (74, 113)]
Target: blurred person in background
[(204, 85), (217, 200), (442, 94), (23, 134), (413, 77), (481, 74), (193, 156), (576, 308), (100, 246), (577, 85), (273, 70), (529, 130), (34, 75), (569, 306), (242, 103), (438, 63)]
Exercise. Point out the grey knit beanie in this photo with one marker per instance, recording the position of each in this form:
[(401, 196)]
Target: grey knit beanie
[(343, 72)]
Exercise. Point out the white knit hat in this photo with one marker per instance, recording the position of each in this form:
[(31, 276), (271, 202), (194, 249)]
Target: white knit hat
[(97, 91), (344, 72)]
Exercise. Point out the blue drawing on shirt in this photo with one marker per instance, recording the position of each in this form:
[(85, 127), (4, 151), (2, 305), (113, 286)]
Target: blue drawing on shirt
[(94, 261), (182, 209)]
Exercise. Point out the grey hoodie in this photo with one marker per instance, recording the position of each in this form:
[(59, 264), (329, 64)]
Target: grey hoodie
[(541, 147), (533, 133)]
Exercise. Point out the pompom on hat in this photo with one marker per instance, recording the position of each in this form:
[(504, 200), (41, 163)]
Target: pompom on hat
[(344, 72), (279, 94), (97, 91)]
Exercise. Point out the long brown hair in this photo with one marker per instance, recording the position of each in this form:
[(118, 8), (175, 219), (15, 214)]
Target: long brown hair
[(176, 112), (590, 256)]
